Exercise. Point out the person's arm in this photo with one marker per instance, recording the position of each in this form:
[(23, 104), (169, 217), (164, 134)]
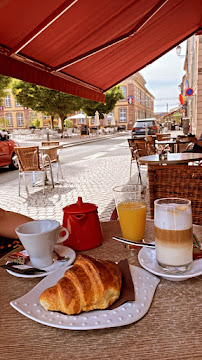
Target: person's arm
[(9, 221)]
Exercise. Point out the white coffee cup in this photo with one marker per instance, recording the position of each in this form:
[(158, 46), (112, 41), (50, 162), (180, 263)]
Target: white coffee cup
[(38, 238)]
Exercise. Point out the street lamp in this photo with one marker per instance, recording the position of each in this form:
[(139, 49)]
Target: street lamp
[(178, 51)]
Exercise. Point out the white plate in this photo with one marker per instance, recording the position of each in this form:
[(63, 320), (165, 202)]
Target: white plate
[(145, 285), (62, 251), (147, 258)]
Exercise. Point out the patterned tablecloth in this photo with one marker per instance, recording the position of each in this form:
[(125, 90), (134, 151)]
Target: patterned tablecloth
[(170, 330)]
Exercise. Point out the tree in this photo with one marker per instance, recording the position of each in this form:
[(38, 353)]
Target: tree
[(46, 100), (112, 96), (3, 123), (36, 123), (68, 123), (4, 84)]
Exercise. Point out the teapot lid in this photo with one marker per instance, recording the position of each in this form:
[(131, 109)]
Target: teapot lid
[(79, 207)]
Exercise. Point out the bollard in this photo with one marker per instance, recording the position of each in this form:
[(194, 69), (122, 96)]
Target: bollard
[(47, 133)]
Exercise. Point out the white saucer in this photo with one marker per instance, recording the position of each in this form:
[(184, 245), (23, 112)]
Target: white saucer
[(145, 285), (147, 258), (62, 251)]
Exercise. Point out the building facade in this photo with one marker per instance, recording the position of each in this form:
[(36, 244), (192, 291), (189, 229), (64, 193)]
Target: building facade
[(138, 102), (15, 116), (193, 80)]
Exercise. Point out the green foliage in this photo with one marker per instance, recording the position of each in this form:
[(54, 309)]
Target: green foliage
[(36, 123), (4, 84), (3, 123), (46, 100), (177, 118), (68, 123), (112, 96)]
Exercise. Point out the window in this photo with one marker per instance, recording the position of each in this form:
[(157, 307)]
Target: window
[(20, 121), (124, 90), (17, 104), (8, 101), (122, 115), (81, 121), (9, 119)]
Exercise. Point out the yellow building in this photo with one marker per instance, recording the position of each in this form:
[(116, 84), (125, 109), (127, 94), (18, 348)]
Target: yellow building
[(15, 116), (137, 104)]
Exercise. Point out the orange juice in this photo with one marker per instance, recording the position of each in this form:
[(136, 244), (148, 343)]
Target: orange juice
[(132, 218)]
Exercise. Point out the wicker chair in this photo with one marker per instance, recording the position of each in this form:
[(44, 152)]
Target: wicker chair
[(54, 156), (177, 181), (138, 149), (31, 161), (161, 137)]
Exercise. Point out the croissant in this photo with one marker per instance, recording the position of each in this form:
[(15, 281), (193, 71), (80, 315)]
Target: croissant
[(89, 284)]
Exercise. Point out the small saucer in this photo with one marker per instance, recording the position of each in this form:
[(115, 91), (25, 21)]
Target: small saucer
[(147, 258), (61, 251)]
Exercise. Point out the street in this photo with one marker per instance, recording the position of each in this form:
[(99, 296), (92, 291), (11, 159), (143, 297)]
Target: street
[(89, 170), (105, 148)]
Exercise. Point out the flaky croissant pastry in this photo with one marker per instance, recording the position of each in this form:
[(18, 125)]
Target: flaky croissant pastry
[(89, 284)]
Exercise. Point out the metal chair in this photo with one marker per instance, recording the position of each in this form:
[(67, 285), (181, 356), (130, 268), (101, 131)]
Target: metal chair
[(177, 181), (31, 161), (138, 149), (54, 156)]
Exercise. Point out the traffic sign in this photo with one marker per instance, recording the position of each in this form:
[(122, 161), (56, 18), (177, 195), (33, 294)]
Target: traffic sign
[(189, 92)]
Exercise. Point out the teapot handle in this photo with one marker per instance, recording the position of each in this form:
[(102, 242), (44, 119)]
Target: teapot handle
[(78, 217)]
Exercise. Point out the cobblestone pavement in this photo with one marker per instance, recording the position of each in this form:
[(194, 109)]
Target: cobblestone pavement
[(93, 180)]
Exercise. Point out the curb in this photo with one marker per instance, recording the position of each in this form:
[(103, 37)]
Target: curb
[(79, 142), (71, 144)]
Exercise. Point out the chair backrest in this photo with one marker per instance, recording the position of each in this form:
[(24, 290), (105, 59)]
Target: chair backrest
[(50, 143), (177, 181), (141, 147), (182, 146), (28, 158), (151, 144), (161, 137), (53, 153)]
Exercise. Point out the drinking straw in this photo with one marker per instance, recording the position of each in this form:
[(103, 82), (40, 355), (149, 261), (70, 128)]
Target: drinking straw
[(196, 242)]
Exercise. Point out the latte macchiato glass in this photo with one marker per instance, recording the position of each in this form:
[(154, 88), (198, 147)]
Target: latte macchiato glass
[(173, 234)]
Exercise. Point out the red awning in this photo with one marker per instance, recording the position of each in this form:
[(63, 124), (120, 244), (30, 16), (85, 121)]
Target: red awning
[(84, 47)]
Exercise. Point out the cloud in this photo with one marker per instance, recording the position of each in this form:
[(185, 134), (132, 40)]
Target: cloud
[(163, 78)]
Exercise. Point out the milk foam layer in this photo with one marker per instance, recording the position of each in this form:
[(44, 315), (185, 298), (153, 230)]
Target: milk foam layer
[(173, 217), (174, 256)]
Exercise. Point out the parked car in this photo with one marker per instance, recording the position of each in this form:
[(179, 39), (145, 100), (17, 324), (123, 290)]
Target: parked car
[(7, 153), (141, 124)]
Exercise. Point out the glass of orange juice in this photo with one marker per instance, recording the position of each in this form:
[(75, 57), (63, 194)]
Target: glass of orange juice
[(131, 208)]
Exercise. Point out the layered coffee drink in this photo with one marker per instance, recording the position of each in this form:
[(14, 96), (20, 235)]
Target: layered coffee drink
[(173, 234)]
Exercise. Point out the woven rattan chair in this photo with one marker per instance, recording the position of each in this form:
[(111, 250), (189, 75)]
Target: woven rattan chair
[(54, 156), (177, 181), (31, 161), (161, 137), (138, 149)]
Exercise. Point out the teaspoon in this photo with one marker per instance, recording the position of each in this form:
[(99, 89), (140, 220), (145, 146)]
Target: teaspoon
[(129, 242)]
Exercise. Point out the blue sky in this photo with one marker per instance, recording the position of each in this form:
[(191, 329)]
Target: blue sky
[(163, 78)]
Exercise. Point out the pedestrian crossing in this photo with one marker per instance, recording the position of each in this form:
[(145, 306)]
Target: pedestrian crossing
[(94, 156), (103, 153)]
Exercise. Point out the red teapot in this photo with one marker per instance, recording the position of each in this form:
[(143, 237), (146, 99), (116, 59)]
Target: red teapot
[(82, 222)]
